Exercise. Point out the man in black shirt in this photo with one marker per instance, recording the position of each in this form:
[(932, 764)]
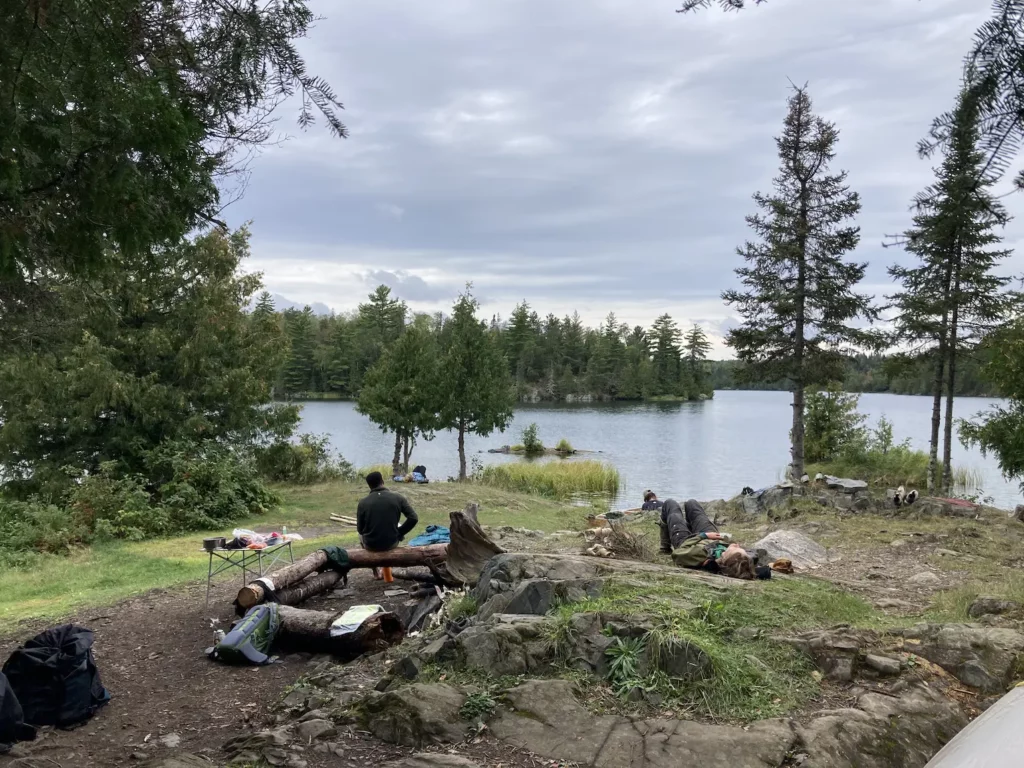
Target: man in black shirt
[(378, 514)]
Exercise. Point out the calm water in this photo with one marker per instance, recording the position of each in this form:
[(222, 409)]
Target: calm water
[(704, 450)]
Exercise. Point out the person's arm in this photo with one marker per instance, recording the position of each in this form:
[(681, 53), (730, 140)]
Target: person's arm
[(411, 518), (691, 553), (362, 519)]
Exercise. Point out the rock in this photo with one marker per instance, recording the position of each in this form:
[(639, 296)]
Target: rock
[(438, 650), (924, 578), (883, 665), (1018, 513), (891, 604), (383, 684), (546, 719), (680, 660), (427, 760), (844, 485), (534, 597), (898, 543), (882, 731), (311, 730), (982, 657), (946, 553), (991, 606), (407, 668), (862, 503), (836, 652), (170, 740), (178, 761), (495, 649), (802, 550), (416, 715)]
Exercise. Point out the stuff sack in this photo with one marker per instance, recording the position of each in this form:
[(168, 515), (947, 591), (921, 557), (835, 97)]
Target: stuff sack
[(250, 640), (12, 719), (55, 678)]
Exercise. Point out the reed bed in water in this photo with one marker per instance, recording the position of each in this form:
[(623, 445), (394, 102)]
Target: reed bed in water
[(554, 479)]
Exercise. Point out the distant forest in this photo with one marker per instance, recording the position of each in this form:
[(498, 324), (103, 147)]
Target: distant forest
[(875, 373), (550, 358)]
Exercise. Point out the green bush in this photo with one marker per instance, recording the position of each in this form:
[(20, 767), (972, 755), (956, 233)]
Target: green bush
[(564, 446), (831, 424), (31, 527), (304, 463), (531, 442), (117, 507)]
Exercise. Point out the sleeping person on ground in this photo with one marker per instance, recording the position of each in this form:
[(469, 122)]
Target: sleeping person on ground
[(693, 541)]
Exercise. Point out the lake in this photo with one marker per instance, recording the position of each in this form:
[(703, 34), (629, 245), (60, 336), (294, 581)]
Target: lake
[(703, 450)]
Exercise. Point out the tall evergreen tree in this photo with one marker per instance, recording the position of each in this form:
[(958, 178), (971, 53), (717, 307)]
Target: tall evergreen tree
[(665, 355), (380, 321), (951, 299), (799, 302), (300, 328), (697, 348), (477, 391)]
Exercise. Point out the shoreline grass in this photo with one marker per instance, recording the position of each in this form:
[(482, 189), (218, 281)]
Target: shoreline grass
[(553, 479), (900, 466)]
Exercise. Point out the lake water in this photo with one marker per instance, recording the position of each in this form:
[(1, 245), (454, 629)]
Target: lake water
[(702, 450)]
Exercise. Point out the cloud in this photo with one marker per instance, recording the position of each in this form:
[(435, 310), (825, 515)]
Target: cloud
[(601, 160)]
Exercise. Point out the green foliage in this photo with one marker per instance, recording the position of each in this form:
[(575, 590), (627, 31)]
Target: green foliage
[(462, 607), (31, 527), (476, 391), (160, 351), (309, 461), (554, 479), (564, 446), (624, 663), (798, 300), (478, 707), (832, 423), (118, 121), (532, 445)]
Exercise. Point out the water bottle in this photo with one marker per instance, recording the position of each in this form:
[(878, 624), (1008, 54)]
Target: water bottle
[(284, 533)]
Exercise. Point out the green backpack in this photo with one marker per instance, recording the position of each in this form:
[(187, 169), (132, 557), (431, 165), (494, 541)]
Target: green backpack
[(250, 640)]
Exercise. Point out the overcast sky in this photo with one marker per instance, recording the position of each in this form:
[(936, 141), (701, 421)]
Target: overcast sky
[(592, 155)]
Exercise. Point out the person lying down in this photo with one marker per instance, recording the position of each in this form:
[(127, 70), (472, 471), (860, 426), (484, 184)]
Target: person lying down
[(693, 541)]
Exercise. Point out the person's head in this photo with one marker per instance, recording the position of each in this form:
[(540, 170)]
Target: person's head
[(736, 563), (649, 496), (375, 480)]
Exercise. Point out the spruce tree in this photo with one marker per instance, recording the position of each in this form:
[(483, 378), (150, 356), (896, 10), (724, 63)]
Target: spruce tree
[(697, 348), (950, 299), (798, 302), (665, 355), (300, 327), (477, 391)]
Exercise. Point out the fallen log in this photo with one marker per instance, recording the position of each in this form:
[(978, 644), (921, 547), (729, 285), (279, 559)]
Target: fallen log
[(256, 592), (310, 631), (311, 585)]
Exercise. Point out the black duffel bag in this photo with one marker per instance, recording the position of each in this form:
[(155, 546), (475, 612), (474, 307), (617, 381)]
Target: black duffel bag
[(55, 678), (12, 719)]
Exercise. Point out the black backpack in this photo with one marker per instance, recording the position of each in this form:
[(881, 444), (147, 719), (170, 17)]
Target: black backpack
[(55, 678), (12, 719)]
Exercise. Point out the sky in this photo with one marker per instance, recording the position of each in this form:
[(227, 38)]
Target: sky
[(588, 155)]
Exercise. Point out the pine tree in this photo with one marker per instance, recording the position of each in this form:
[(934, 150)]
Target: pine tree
[(697, 348), (300, 327), (666, 353), (477, 391), (798, 301), (950, 300)]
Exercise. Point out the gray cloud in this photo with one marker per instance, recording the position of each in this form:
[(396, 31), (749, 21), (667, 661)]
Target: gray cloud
[(587, 155)]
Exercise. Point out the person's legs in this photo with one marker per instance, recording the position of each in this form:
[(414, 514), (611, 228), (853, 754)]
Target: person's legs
[(697, 519)]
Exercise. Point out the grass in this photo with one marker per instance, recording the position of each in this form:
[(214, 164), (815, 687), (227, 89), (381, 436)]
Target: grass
[(753, 678), (553, 479), (564, 446), (899, 466), (54, 587)]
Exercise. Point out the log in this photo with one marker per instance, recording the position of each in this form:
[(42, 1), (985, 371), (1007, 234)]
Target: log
[(316, 584), (310, 631), (256, 592)]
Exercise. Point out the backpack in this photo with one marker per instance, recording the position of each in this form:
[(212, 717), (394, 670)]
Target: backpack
[(250, 640), (55, 678), (12, 719)]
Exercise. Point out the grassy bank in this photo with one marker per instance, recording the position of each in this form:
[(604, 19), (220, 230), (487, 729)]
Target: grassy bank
[(56, 586), (553, 479), (899, 466)]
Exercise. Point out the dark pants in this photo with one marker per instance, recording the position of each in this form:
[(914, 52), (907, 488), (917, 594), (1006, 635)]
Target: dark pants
[(679, 524)]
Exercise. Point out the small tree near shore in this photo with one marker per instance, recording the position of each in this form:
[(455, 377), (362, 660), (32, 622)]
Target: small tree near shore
[(477, 392)]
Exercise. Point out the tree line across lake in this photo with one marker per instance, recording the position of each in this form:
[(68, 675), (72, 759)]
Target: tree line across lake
[(551, 358)]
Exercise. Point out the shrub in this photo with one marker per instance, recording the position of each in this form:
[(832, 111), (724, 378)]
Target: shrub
[(304, 463), (117, 507), (831, 424), (531, 442), (564, 446), (29, 527)]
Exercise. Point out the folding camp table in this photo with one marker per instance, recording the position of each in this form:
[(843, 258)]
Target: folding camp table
[(253, 563)]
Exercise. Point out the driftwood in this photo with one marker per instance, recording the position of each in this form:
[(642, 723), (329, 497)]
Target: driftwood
[(256, 592), (308, 587), (310, 631), (470, 547)]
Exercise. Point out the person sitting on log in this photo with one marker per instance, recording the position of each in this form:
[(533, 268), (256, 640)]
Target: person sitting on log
[(650, 501), (378, 515), (693, 541)]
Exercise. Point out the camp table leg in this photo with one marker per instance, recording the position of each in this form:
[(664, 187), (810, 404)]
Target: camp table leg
[(209, 580)]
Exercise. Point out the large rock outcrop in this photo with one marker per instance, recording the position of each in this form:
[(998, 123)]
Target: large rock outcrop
[(982, 657)]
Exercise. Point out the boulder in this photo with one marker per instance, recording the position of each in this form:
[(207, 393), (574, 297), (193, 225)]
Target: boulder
[(836, 652), (416, 715), (924, 579), (981, 657), (881, 732), (802, 550), (883, 665), (1018, 513), (991, 606), (311, 730), (508, 644), (407, 668), (845, 485), (680, 660)]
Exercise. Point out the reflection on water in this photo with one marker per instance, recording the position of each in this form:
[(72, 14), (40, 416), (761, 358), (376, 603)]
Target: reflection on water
[(703, 450)]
